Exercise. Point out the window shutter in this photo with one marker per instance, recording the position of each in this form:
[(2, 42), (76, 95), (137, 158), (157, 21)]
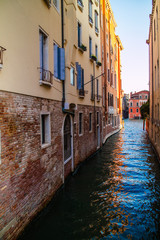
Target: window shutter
[(41, 54), (79, 76), (62, 63), (55, 61), (82, 82)]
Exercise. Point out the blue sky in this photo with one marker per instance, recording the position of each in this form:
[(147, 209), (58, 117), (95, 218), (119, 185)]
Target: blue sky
[(132, 18)]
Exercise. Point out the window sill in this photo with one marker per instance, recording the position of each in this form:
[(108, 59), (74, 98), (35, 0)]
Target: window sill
[(67, 160), (81, 96), (45, 145), (80, 49), (80, 7), (42, 82), (91, 23)]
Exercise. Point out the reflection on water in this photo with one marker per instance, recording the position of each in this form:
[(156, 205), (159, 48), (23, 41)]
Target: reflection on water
[(115, 195)]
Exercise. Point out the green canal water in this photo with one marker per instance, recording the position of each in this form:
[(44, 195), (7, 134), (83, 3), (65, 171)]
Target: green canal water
[(113, 195)]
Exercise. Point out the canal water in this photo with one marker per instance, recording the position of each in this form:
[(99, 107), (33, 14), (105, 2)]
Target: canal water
[(113, 195)]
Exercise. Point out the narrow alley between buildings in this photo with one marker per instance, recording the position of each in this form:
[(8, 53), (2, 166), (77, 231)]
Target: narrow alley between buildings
[(116, 193)]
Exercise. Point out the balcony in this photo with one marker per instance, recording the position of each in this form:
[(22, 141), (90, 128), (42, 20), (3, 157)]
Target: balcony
[(45, 77), (80, 4)]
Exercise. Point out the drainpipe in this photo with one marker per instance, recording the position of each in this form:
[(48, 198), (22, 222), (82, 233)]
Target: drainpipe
[(62, 29)]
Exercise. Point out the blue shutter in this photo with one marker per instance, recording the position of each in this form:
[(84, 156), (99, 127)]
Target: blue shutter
[(79, 76), (62, 63), (55, 61)]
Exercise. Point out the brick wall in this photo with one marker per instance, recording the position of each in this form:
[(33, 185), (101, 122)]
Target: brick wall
[(29, 175), (86, 144)]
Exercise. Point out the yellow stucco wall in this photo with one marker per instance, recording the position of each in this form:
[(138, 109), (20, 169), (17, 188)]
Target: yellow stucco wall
[(20, 22)]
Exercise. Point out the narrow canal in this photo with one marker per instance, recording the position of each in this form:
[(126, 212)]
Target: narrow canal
[(114, 195)]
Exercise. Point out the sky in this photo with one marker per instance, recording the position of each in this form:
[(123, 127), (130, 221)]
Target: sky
[(132, 18)]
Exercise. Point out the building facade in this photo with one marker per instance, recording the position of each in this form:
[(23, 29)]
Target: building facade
[(125, 106), (136, 100), (51, 90), (154, 77), (111, 47)]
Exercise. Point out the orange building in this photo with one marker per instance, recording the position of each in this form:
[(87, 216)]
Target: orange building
[(136, 100), (111, 47)]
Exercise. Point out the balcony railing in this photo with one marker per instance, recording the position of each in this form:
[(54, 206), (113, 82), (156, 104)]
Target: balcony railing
[(45, 77)]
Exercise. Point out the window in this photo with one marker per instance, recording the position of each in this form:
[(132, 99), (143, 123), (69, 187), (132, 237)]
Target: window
[(111, 79), (115, 80), (80, 123), (80, 79), (67, 138), (45, 129), (131, 110), (108, 75), (79, 35), (131, 104), (92, 88), (96, 52), (108, 99), (90, 12), (96, 22), (72, 76), (155, 77), (140, 97), (107, 57), (98, 90), (43, 50), (137, 110), (97, 118), (90, 122), (158, 72), (137, 104), (154, 30), (146, 96), (80, 4), (56, 4), (90, 47), (107, 38)]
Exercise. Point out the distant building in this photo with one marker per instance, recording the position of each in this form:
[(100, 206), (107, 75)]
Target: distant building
[(136, 100), (125, 106), (154, 76)]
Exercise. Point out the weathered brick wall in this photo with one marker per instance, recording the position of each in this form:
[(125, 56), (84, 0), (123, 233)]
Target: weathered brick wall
[(86, 144), (108, 130), (29, 175)]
